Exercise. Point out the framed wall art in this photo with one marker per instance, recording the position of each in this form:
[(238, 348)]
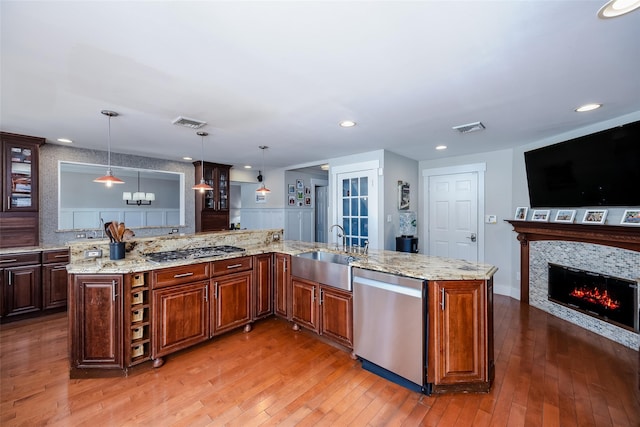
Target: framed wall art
[(594, 216), (292, 189), (631, 217), (565, 215), (521, 213), (540, 215)]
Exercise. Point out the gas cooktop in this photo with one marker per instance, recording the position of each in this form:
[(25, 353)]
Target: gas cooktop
[(192, 253)]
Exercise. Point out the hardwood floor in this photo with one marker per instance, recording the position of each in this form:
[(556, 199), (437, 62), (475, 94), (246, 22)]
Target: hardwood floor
[(548, 373)]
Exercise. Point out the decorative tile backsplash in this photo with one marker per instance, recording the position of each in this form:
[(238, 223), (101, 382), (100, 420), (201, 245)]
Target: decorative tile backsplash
[(606, 260)]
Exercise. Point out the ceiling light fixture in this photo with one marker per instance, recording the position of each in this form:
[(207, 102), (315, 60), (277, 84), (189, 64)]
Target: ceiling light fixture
[(109, 179), (203, 186), (347, 123), (187, 158), (248, 166), (65, 140), (614, 8), (263, 188), (139, 197), (587, 107), (441, 147)]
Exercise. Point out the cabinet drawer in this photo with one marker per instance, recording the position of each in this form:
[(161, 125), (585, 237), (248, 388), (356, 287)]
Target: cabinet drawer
[(26, 258), (231, 265), (183, 274), (50, 257)]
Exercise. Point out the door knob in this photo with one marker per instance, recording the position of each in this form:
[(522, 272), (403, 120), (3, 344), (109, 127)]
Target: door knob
[(472, 237)]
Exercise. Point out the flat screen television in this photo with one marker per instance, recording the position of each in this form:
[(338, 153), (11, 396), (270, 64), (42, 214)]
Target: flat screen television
[(601, 169)]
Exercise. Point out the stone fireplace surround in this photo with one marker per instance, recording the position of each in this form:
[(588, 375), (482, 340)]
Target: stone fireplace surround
[(609, 250)]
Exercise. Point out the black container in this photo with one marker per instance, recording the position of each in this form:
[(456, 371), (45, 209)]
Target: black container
[(407, 244), (116, 250)]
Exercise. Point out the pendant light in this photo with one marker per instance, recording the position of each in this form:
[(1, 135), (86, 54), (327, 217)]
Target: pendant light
[(109, 179), (203, 186), (263, 188), (139, 197)]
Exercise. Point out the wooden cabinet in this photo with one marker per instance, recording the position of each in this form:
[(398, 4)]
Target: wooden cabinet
[(304, 308), (282, 285), (54, 279), (231, 302), (180, 309), (324, 309), (460, 344), (95, 321), (21, 289), (336, 315), (212, 207), (180, 317), (262, 286), (19, 225)]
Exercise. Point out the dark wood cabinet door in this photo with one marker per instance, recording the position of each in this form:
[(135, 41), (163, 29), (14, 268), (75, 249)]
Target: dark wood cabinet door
[(282, 285), (336, 315), (212, 206), (22, 290), (180, 317), (458, 332), (303, 305), (54, 286), (231, 301), (96, 321), (262, 286)]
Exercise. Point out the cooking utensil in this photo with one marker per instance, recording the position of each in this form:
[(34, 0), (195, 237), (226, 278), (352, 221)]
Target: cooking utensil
[(107, 231), (121, 229), (128, 234), (113, 229)]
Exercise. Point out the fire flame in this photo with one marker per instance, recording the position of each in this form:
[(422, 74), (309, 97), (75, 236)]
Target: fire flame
[(594, 296)]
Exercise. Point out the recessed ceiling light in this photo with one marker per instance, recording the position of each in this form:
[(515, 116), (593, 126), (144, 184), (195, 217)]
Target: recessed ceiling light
[(325, 167), (615, 8), (441, 147), (347, 123), (247, 166), (187, 158), (65, 140), (587, 107)]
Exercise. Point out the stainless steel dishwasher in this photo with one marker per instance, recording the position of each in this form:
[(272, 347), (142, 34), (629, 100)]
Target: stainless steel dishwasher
[(390, 326)]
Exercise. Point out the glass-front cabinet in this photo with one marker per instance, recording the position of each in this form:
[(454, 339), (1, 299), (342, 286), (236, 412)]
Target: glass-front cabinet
[(21, 174), (19, 214), (212, 206)]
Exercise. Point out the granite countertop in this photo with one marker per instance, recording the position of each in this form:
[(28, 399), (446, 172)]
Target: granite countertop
[(401, 263)]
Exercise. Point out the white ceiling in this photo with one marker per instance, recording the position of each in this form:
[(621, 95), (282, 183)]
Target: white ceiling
[(283, 74)]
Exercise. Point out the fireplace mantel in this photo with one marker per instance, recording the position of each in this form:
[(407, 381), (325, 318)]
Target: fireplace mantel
[(624, 237)]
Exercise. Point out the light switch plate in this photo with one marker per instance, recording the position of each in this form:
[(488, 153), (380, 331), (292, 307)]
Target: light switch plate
[(490, 219)]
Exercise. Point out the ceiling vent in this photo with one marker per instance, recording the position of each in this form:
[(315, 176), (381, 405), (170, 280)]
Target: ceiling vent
[(189, 123), (470, 127)]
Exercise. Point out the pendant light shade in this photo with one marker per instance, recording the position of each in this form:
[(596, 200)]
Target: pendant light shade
[(109, 179), (263, 188), (203, 186)]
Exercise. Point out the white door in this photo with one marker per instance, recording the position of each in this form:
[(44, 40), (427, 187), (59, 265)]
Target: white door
[(357, 207), (453, 216)]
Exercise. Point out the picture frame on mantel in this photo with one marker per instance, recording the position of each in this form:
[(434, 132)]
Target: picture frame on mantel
[(540, 215), (631, 217), (594, 216), (565, 215), (521, 213)]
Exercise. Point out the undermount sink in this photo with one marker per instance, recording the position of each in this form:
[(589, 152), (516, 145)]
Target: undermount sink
[(324, 267)]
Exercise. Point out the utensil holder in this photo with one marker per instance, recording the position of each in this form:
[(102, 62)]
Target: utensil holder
[(116, 250)]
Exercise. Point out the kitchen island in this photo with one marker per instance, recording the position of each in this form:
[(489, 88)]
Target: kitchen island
[(127, 312)]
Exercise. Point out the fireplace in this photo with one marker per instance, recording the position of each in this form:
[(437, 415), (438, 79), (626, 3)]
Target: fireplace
[(610, 299)]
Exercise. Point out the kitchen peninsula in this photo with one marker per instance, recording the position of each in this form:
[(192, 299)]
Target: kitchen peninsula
[(127, 312)]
